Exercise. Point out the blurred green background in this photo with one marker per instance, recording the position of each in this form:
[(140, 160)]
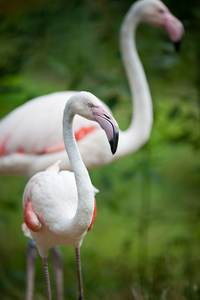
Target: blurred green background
[(145, 243)]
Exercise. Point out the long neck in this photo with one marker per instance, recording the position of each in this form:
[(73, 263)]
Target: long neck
[(83, 215), (142, 116)]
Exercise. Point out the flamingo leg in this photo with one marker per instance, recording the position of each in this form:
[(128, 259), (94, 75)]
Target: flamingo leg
[(46, 276), (80, 282), (31, 255), (57, 260)]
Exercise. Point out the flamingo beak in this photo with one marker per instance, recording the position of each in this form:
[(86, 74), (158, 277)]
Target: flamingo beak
[(174, 29), (108, 124), (177, 46)]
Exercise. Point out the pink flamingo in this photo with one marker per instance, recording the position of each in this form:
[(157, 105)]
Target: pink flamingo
[(59, 206), (26, 149)]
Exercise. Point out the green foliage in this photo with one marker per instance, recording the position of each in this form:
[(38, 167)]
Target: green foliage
[(146, 238)]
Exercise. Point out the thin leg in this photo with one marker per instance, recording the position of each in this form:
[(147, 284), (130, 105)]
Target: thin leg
[(46, 276), (78, 265), (57, 260), (31, 256)]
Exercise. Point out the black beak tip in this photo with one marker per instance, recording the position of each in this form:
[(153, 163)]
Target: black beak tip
[(114, 142), (177, 46)]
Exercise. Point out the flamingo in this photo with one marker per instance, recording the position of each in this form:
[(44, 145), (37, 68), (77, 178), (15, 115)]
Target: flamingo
[(59, 207), (31, 135), (26, 149)]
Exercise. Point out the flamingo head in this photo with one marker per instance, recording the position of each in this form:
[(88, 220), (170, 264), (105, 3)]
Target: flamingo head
[(155, 13), (108, 124), (89, 107)]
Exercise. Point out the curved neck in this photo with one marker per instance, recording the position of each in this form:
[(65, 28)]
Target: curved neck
[(142, 116), (83, 215)]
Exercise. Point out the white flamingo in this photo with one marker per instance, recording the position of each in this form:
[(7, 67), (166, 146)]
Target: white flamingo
[(31, 135), (59, 206)]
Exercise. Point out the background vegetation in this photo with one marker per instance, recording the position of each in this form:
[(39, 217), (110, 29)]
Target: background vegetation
[(146, 239)]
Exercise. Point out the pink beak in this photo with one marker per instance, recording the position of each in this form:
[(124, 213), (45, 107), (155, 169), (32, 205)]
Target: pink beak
[(108, 124), (173, 27)]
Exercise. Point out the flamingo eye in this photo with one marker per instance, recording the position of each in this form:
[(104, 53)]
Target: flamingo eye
[(90, 104), (161, 11)]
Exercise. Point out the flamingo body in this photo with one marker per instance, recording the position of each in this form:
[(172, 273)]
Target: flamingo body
[(60, 190)]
